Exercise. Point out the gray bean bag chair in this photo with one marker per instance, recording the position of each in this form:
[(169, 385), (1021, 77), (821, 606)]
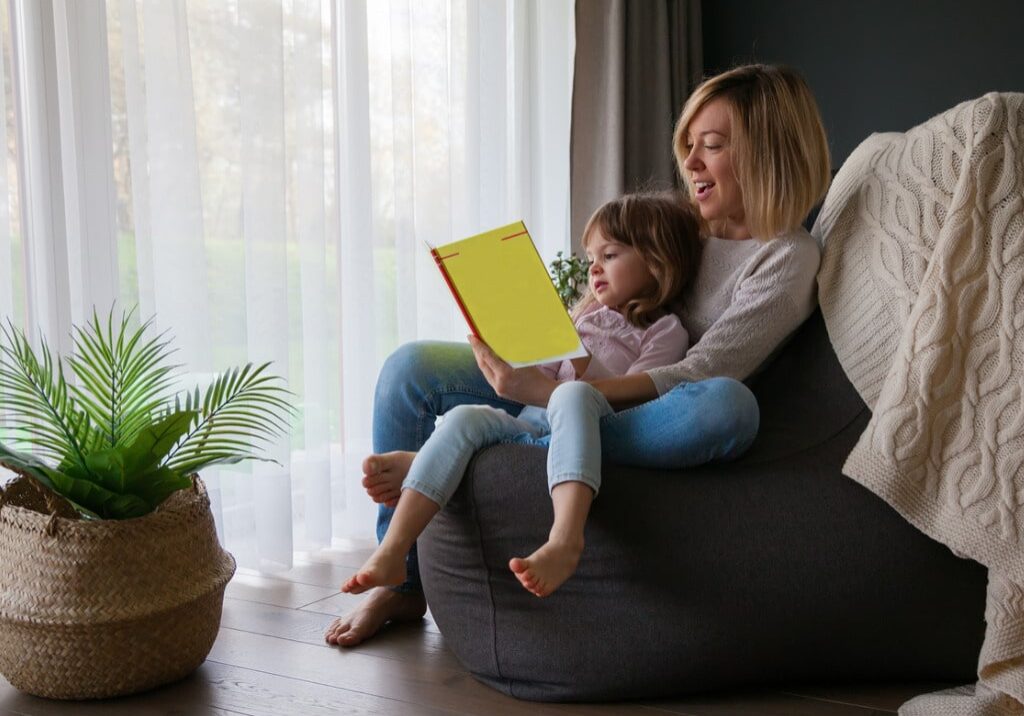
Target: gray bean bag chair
[(773, 568)]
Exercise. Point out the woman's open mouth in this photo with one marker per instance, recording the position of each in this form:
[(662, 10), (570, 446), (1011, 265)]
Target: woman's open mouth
[(600, 286), (703, 189)]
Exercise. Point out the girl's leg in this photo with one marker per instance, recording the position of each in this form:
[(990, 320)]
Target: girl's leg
[(575, 411), (434, 475), (439, 466), (386, 566), (417, 383), (546, 570), (574, 478), (712, 420)]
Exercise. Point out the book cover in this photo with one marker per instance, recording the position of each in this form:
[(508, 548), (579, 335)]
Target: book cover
[(507, 297)]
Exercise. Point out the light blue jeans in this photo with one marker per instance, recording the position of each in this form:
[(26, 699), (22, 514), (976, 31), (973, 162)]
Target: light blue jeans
[(569, 428), (692, 424)]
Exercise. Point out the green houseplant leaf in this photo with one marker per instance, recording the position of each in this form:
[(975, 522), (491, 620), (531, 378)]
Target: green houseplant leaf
[(241, 407), (37, 393), (132, 471), (27, 465), (121, 443), (88, 497), (122, 379), (570, 277)]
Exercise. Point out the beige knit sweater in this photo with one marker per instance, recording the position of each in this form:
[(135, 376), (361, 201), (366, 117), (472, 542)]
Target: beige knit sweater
[(748, 298), (922, 289)]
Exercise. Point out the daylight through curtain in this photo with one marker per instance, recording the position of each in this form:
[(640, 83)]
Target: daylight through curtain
[(262, 177)]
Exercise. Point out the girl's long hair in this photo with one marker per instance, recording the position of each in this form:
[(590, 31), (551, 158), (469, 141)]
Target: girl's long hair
[(664, 229)]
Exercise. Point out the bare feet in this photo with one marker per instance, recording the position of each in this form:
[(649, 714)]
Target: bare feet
[(383, 475), (545, 570), (380, 607), (383, 569)]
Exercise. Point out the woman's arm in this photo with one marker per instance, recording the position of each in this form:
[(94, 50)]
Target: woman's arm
[(530, 386), (627, 391), (767, 305), (663, 343)]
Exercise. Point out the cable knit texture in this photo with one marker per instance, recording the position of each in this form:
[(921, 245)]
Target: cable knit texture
[(922, 289)]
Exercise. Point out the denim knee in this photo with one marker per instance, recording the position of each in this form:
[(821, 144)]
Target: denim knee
[(472, 423), (741, 418), (462, 417), (576, 392), (406, 367)]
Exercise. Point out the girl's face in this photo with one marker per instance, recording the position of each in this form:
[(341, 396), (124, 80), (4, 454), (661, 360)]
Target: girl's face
[(617, 273), (709, 171)]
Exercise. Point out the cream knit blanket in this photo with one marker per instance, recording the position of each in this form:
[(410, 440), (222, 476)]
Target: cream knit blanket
[(922, 289)]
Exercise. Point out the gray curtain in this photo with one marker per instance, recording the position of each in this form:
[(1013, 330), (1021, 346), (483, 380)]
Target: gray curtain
[(636, 62)]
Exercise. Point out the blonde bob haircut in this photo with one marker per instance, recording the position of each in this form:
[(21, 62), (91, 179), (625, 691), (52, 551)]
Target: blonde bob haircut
[(778, 145), (664, 230)]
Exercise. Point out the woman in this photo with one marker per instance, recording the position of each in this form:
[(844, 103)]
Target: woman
[(752, 151)]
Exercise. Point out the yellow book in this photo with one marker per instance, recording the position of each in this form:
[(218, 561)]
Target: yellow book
[(506, 295)]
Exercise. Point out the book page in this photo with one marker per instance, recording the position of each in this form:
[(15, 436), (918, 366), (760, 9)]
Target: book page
[(506, 292)]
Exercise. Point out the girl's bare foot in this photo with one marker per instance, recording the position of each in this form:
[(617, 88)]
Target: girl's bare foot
[(382, 569), (545, 570), (383, 475), (378, 608)]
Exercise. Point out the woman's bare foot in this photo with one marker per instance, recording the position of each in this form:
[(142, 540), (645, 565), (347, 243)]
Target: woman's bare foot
[(383, 475), (546, 570), (380, 607), (383, 569)]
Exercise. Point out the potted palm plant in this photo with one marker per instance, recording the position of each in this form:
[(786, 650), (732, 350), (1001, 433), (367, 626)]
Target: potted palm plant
[(112, 578)]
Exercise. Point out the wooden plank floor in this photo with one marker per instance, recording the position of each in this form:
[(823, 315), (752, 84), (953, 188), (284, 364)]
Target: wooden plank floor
[(270, 658)]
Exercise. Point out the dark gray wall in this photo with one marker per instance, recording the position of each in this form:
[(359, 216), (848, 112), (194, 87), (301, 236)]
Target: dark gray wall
[(875, 65)]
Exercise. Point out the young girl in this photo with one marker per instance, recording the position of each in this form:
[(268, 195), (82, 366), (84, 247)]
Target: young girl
[(644, 251)]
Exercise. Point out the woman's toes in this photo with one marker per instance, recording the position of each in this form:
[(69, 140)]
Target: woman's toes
[(335, 630)]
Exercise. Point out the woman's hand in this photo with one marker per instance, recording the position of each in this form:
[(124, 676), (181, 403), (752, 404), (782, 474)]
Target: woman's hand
[(529, 386)]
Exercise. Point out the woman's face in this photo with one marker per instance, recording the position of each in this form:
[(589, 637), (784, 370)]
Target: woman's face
[(709, 171)]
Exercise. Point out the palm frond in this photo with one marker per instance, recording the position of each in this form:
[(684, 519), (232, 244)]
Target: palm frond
[(39, 402), (122, 383), (241, 409), (119, 446)]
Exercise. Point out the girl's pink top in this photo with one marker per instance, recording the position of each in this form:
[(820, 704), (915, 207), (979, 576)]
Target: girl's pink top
[(619, 348)]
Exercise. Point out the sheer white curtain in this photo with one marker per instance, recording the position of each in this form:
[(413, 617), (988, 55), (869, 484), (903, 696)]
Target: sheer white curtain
[(262, 177)]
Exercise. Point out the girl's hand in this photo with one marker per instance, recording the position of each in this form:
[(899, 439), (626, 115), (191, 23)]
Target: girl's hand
[(529, 386)]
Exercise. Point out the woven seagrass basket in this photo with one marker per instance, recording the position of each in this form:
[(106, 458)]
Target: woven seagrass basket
[(99, 608)]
